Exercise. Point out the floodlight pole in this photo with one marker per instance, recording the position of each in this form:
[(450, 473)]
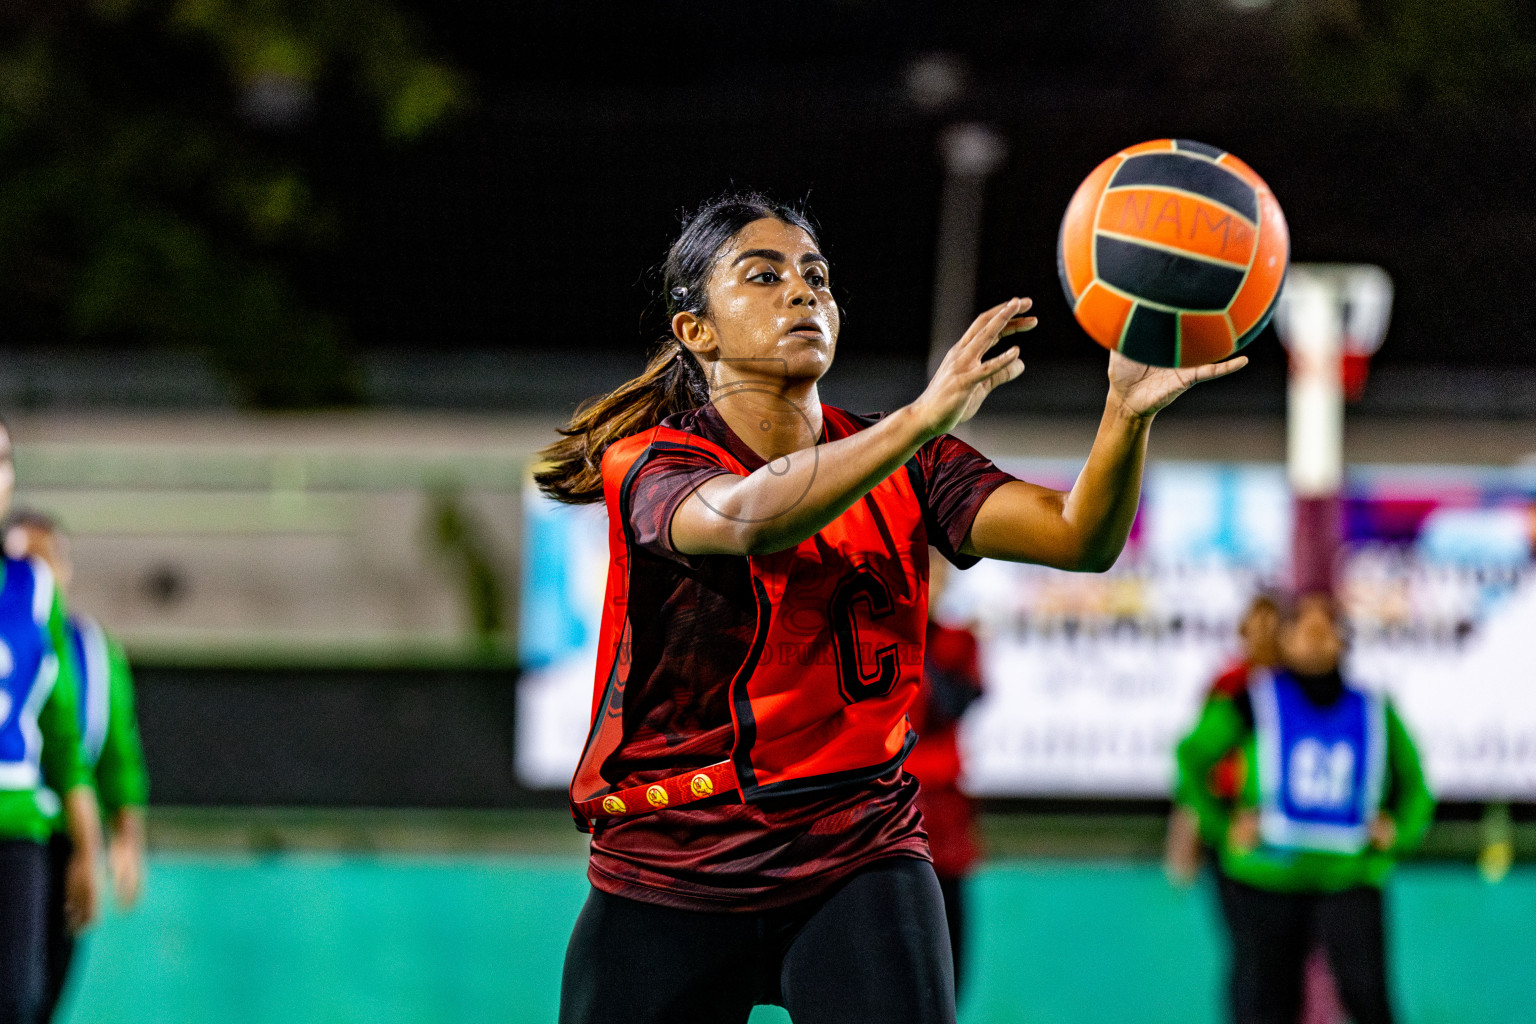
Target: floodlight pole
[(971, 152), (1326, 311), (1315, 427)]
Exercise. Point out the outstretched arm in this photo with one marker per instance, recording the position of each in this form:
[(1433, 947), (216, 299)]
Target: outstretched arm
[(122, 782), (1084, 529), (1220, 728), (65, 769), (788, 500), (1414, 807)]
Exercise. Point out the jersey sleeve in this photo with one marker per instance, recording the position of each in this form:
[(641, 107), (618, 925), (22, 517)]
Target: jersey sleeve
[(1219, 730), (121, 779), (954, 480), (1413, 806), (63, 755), (662, 483), (1231, 682)]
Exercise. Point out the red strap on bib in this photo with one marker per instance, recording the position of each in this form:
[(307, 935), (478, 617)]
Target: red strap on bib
[(674, 791)]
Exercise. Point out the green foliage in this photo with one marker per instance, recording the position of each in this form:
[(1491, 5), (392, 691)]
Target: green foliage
[(1408, 54), (299, 40), (137, 208), (466, 549)]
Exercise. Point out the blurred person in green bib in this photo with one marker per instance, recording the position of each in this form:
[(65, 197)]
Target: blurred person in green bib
[(43, 774), (1259, 630), (110, 742), (1333, 794)]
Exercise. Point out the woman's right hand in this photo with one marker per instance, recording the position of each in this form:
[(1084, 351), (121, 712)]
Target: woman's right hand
[(963, 381)]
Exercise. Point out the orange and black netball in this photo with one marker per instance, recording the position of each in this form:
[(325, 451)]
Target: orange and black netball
[(1173, 252)]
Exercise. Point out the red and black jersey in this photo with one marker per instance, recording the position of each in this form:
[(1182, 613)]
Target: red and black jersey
[(1226, 779), (951, 681), (1232, 680), (779, 683)]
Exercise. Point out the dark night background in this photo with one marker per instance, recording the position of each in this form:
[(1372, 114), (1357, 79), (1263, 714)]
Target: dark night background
[(522, 222), (529, 225)]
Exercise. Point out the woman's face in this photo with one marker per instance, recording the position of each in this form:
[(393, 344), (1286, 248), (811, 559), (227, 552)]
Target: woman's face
[(1260, 632), (31, 541), (1311, 642), (769, 309)]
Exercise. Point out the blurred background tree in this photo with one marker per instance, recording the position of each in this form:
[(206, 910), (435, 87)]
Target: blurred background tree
[(156, 178), (1411, 54)]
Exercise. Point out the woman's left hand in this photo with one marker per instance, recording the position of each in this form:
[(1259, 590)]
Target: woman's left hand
[(1144, 390), (1383, 832), (1243, 834)]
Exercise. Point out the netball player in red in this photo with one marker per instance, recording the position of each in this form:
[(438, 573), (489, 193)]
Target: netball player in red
[(754, 839)]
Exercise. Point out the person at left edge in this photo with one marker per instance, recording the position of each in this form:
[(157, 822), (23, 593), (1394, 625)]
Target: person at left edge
[(40, 755), (110, 734)]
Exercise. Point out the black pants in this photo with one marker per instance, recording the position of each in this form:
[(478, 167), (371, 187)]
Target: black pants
[(1272, 933), (953, 888), (875, 950), (23, 930), (61, 941)]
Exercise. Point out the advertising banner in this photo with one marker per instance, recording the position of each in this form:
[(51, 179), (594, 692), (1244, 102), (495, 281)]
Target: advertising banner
[(1093, 678)]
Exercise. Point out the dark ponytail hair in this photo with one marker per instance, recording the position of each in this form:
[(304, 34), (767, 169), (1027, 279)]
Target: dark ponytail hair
[(672, 380)]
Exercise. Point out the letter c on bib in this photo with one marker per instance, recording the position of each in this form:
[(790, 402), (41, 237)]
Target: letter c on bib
[(853, 679)]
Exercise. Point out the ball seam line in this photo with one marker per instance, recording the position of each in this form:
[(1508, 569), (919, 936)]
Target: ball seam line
[(1258, 239), (1093, 226), (1152, 303), (1171, 250)]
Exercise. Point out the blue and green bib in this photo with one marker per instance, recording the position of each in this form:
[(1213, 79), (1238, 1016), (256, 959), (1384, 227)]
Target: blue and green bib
[(1320, 768)]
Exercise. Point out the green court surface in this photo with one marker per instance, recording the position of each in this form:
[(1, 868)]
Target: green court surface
[(317, 939)]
